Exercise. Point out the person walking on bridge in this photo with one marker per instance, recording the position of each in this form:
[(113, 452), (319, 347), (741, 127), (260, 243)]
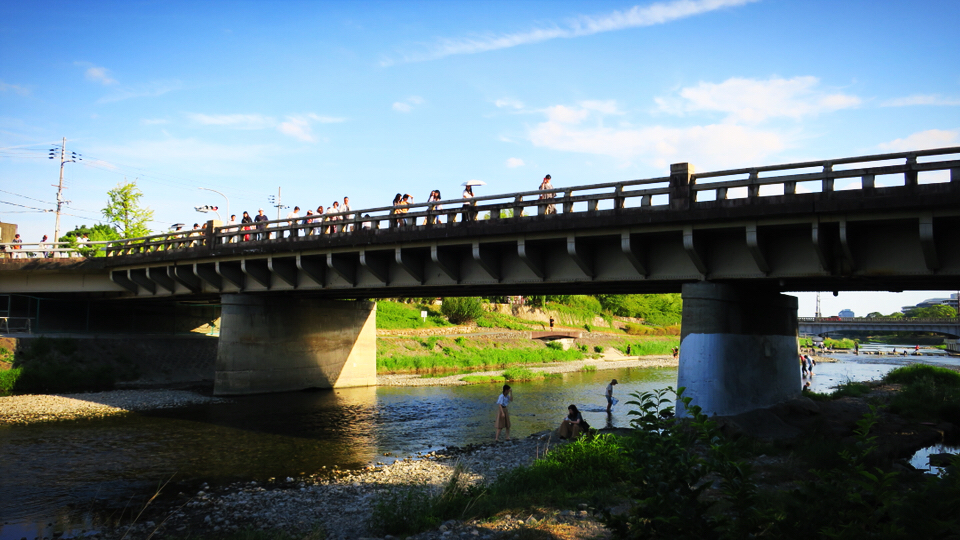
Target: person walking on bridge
[(546, 185)]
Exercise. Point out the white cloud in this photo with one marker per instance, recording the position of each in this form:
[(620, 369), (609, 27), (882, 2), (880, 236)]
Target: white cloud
[(515, 162), (584, 25), (23, 91), (153, 89), (408, 104), (509, 102), (100, 75), (923, 140), (753, 101), (920, 99), (154, 121), (236, 121), (710, 146), (297, 126)]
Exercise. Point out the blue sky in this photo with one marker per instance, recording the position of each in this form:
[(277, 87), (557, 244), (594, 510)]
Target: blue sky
[(365, 99)]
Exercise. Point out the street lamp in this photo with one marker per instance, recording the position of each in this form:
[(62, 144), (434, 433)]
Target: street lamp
[(222, 195), (207, 208)]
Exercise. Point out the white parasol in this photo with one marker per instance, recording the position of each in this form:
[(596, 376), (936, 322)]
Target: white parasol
[(474, 183)]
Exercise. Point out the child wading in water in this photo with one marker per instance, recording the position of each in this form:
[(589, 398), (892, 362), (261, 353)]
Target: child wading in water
[(503, 416)]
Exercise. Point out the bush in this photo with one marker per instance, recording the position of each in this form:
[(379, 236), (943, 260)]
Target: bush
[(598, 349), (555, 345), (8, 380), (460, 310)]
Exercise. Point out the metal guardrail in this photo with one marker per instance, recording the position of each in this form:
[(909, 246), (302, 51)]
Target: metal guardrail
[(631, 195)]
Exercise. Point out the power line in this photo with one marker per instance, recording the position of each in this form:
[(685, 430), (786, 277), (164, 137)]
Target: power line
[(25, 197), (25, 206)]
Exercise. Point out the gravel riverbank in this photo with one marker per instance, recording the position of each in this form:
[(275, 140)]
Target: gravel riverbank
[(340, 504), (30, 409)]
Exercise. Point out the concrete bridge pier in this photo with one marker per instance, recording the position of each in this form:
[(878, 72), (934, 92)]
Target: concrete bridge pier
[(276, 343), (738, 348)]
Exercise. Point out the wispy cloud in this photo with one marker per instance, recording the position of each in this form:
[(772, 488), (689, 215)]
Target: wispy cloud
[(513, 163), (98, 74), (235, 121), (509, 103), (408, 104), (754, 100), (153, 89), (298, 126), (922, 140), (23, 91), (584, 25), (921, 99)]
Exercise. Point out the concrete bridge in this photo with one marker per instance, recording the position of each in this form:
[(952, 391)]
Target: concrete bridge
[(826, 325), (730, 241)]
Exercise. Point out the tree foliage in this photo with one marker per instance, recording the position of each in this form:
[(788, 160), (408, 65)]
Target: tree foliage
[(938, 311), (463, 309), (97, 233), (125, 213), (659, 309)]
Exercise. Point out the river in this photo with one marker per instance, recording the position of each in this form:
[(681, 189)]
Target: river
[(58, 477)]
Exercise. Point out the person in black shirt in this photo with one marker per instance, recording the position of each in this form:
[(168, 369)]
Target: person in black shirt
[(573, 425)]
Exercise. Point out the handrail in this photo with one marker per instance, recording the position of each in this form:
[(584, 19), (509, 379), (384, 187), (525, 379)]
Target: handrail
[(653, 194), (898, 320)]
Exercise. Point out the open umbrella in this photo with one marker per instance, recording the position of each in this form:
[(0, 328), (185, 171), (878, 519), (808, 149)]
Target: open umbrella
[(474, 183)]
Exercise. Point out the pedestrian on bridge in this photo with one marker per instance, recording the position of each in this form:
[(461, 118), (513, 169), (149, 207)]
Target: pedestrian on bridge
[(292, 217), (503, 415), (546, 185), (261, 221), (247, 223), (346, 208)]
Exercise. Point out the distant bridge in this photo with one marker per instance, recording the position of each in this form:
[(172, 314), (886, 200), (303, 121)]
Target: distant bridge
[(825, 325)]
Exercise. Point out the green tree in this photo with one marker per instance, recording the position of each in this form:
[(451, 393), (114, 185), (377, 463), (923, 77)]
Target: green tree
[(125, 213), (938, 311), (97, 233)]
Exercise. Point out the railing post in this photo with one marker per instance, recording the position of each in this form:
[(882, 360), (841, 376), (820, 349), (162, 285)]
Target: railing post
[(910, 176), (753, 190), (518, 206), (680, 180), (568, 202), (619, 201), (210, 234), (827, 185)]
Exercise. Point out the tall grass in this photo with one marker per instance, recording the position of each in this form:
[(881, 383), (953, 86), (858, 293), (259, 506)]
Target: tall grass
[(928, 393), (8, 380), (475, 358), (397, 316), (649, 347)]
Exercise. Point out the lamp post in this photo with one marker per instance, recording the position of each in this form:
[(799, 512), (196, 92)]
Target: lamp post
[(224, 198)]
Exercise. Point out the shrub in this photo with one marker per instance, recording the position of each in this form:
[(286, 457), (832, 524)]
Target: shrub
[(8, 380), (555, 345), (463, 309), (598, 349)]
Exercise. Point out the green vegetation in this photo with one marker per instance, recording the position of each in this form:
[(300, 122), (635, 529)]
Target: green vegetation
[(51, 365), (635, 329), (460, 310), (526, 374), (468, 357), (97, 233), (499, 320), (928, 393), (656, 309), (123, 210), (398, 315), (844, 343), (589, 368), (681, 478), (480, 379), (938, 311), (649, 347)]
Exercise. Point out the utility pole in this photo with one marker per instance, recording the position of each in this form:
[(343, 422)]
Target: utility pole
[(279, 202), (60, 202), (817, 315)]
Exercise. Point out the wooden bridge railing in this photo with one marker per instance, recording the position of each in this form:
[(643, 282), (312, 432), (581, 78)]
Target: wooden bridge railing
[(683, 189)]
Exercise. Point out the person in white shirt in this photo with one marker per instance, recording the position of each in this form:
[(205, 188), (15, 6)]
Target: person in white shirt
[(232, 228), (503, 415), (346, 208), (292, 216), (550, 208)]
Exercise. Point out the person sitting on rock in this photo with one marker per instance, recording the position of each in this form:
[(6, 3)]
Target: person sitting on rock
[(573, 425)]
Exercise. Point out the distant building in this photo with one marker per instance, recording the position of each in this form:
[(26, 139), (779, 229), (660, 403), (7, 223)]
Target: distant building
[(846, 313), (930, 302)]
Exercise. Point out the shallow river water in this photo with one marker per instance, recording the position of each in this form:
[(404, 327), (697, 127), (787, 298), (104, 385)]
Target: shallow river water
[(52, 476)]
